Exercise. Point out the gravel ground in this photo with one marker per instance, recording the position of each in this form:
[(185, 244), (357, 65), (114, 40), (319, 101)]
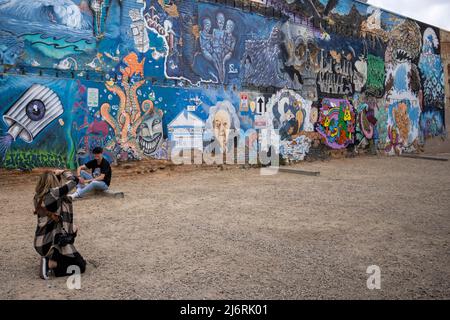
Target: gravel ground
[(234, 234)]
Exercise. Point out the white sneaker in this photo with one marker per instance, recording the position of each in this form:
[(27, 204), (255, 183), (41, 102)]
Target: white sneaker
[(73, 196)]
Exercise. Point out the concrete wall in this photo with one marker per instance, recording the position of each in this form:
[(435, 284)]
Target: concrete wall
[(138, 77), (442, 144), (445, 53)]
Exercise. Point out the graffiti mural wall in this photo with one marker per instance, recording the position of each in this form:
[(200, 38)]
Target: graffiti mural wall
[(139, 77), (337, 123)]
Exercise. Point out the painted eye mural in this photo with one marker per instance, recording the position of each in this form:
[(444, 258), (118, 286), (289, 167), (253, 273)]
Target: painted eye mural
[(31, 114)]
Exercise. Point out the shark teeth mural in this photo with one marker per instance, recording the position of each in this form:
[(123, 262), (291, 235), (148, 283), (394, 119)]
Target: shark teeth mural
[(402, 56), (150, 133), (149, 147)]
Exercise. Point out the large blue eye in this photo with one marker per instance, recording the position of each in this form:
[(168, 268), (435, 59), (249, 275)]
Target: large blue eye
[(35, 110)]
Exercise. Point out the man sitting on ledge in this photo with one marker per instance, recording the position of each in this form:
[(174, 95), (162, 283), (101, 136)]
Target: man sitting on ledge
[(100, 178)]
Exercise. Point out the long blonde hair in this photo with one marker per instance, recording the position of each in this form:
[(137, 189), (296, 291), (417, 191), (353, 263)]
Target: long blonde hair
[(46, 181)]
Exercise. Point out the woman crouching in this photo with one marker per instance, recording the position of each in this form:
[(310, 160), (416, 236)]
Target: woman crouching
[(55, 232)]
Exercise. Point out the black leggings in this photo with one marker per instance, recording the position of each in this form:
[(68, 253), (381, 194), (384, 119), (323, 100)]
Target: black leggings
[(65, 262)]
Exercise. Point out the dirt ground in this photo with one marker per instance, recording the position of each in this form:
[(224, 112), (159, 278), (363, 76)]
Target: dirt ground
[(231, 233)]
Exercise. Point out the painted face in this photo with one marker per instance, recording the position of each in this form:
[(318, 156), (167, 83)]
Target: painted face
[(220, 21), (222, 127), (150, 134), (206, 25), (229, 27)]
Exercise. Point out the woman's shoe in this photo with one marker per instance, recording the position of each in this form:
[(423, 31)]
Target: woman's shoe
[(43, 269)]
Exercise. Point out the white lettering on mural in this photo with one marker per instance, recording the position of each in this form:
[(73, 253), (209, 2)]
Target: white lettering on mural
[(335, 77)]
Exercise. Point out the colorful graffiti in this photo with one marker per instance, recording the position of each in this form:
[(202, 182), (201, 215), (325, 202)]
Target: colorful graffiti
[(58, 34), (432, 71), (381, 114), (403, 124), (402, 52), (336, 73), (290, 113), (31, 113), (337, 123), (34, 113), (33, 159), (135, 76), (100, 10), (432, 124), (295, 150), (375, 76), (366, 122)]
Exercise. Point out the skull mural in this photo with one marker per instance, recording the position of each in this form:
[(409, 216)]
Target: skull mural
[(303, 51), (150, 133)]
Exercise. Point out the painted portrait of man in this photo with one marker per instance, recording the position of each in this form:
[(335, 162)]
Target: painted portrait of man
[(222, 121)]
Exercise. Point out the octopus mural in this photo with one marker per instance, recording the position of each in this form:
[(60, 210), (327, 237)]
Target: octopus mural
[(132, 116)]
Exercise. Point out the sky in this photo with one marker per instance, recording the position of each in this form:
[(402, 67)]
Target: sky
[(434, 12)]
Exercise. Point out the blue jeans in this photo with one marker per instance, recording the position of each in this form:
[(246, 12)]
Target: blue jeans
[(93, 186)]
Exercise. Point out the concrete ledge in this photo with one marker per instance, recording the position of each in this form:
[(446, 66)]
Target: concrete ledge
[(421, 157), (110, 193)]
